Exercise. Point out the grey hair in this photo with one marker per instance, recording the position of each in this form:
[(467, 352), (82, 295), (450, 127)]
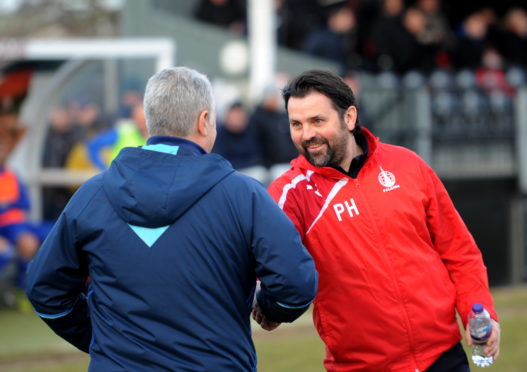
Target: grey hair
[(174, 98)]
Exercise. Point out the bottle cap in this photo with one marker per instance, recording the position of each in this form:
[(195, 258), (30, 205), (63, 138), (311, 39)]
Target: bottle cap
[(477, 307)]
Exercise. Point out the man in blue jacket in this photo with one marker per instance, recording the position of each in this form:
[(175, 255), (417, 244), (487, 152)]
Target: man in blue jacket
[(172, 240)]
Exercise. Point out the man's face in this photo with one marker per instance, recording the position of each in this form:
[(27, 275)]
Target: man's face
[(317, 130)]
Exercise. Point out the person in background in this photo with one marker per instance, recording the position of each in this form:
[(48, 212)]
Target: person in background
[(19, 237), (62, 137), (295, 20), (237, 140), (229, 14), (132, 96), (437, 35), (105, 146), (513, 38), (395, 47), (272, 128), (422, 52), (394, 257), (471, 41), (338, 41), (85, 115), (172, 239), (490, 76)]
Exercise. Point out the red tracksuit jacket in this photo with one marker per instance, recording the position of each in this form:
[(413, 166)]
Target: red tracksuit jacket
[(394, 258)]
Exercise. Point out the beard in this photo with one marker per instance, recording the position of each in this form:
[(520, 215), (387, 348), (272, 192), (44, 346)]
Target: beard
[(332, 155)]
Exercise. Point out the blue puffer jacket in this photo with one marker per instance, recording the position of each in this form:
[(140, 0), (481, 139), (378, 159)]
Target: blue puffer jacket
[(172, 240)]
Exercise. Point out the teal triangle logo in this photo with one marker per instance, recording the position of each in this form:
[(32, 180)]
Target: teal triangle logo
[(149, 235)]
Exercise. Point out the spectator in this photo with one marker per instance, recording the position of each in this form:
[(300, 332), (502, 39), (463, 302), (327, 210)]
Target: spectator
[(104, 147), (513, 40), (295, 20), (490, 76), (237, 140), (14, 200), (436, 34), (86, 118), (18, 239), (388, 34), (366, 13), (422, 50), (61, 138), (129, 100), (86, 115), (472, 41), (130, 97), (337, 41), (272, 127), (437, 30), (230, 14), (62, 135)]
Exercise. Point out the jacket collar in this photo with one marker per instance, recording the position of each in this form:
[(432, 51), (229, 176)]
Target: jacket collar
[(190, 146)]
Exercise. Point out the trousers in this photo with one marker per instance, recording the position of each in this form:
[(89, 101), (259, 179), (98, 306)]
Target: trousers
[(452, 360)]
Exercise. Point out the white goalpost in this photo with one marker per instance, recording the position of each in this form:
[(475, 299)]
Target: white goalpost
[(34, 114)]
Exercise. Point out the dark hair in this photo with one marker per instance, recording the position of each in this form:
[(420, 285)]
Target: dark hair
[(327, 83)]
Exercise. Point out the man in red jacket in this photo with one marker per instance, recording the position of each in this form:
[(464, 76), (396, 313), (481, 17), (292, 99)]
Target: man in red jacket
[(395, 260)]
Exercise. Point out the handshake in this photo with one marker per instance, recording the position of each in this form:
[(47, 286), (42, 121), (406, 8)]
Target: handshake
[(261, 319), (258, 316)]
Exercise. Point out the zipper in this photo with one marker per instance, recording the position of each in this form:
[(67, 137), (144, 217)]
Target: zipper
[(392, 273)]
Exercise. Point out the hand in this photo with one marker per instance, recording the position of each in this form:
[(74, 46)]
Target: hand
[(492, 346), (262, 320)]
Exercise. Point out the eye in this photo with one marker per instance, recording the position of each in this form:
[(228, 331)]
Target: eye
[(296, 124)]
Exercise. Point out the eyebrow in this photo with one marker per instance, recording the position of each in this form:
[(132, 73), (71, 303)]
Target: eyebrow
[(315, 117), (311, 118)]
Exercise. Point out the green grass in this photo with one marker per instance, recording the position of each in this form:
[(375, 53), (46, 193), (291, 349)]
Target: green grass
[(27, 345), (289, 348)]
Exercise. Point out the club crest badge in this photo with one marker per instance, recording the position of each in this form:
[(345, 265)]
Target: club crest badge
[(387, 180)]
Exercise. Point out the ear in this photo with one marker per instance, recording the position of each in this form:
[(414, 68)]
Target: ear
[(203, 121), (351, 117)]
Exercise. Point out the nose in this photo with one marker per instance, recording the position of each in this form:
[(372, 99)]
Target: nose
[(307, 132)]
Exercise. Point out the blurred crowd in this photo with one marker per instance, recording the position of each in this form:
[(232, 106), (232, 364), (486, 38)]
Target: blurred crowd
[(81, 137), (471, 61), (387, 35)]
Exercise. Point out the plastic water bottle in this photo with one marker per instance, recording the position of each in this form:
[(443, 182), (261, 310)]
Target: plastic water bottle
[(480, 327)]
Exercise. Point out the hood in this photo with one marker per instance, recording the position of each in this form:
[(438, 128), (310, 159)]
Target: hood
[(152, 189)]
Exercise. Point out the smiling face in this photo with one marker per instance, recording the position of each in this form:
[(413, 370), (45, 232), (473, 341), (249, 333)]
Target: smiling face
[(319, 132)]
